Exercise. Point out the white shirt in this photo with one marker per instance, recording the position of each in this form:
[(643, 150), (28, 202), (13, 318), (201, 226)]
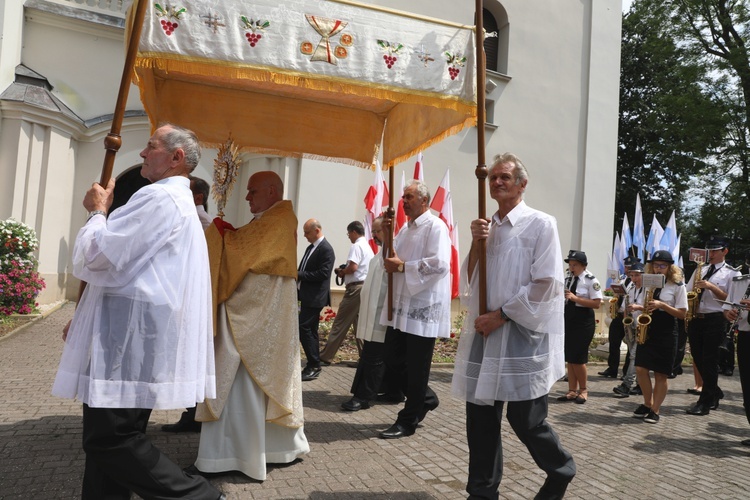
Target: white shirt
[(522, 359), (737, 290), (371, 300), (142, 335), (588, 287), (205, 219), (722, 278), (422, 293), (672, 294), (360, 253)]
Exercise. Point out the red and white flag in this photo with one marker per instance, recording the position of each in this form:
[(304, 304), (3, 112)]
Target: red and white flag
[(400, 214), (443, 204), (375, 200), (418, 175), (418, 170)]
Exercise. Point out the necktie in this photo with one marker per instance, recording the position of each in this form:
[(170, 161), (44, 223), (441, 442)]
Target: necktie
[(711, 271), (305, 257), (574, 285)]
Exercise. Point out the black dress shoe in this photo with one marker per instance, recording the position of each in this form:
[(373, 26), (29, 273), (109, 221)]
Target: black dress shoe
[(182, 426), (553, 490), (698, 409), (355, 404), (396, 431), (310, 373), (727, 371), (609, 373), (425, 409), (745, 442), (694, 391)]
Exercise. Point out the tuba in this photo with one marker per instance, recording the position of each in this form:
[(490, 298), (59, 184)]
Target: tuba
[(644, 320), (694, 295)]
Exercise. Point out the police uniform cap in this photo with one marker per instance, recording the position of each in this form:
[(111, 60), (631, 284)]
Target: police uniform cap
[(716, 243), (636, 267), (578, 256), (630, 260), (662, 255)]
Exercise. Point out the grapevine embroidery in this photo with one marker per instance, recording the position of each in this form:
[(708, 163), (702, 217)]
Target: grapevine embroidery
[(391, 50), (256, 27), (455, 63), (170, 13)]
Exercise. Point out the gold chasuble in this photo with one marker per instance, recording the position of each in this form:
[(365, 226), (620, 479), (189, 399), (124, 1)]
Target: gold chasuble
[(253, 277)]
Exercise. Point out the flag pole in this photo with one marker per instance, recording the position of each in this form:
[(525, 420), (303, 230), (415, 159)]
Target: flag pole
[(113, 141), (481, 170)]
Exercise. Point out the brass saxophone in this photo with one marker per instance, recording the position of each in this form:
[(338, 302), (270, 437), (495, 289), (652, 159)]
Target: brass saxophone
[(613, 307), (627, 320), (644, 320), (694, 295)]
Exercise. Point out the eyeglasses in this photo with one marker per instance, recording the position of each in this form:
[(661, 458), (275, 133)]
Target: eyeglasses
[(660, 266)]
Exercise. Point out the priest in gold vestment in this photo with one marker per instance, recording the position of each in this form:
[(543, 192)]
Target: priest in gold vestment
[(257, 416)]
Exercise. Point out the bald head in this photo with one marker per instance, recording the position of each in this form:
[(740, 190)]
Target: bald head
[(263, 190), (312, 230)]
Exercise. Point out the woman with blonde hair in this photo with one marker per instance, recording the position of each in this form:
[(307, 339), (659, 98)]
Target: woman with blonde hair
[(668, 304)]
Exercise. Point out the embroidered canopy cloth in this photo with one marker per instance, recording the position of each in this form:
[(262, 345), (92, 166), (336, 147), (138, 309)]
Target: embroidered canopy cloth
[(325, 79)]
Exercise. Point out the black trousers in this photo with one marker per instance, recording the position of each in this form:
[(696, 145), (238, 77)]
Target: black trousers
[(616, 334), (408, 360), (743, 363), (705, 336), (120, 459), (309, 317), (528, 421), (370, 370), (682, 337)]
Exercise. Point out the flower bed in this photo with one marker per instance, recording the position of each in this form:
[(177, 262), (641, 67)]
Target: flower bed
[(20, 283)]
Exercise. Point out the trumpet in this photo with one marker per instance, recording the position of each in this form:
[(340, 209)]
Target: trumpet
[(644, 320), (694, 296)]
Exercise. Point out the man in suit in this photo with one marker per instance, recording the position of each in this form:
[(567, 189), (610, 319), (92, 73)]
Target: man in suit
[(314, 293)]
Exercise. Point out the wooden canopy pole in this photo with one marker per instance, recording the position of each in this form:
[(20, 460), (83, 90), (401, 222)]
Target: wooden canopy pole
[(481, 170), (113, 141), (392, 217)]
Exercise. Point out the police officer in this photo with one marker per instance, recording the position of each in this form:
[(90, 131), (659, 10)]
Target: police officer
[(708, 326), (583, 295)]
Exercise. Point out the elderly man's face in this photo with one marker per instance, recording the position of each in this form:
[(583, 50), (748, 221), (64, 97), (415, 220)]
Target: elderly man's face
[(259, 195), (156, 159), (414, 205), (503, 185)]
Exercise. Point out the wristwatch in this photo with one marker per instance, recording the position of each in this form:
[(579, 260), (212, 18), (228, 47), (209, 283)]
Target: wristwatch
[(401, 267), (96, 212)]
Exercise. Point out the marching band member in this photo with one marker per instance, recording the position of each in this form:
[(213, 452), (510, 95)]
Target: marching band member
[(631, 310), (657, 353), (739, 292), (581, 300), (708, 326)]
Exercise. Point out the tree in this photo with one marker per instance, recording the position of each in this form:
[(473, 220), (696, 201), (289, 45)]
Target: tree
[(671, 124)]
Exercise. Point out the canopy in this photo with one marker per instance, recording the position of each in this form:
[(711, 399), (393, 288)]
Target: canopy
[(328, 80)]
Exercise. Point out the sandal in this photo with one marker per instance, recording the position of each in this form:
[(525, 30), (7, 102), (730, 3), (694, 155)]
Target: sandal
[(570, 396), (582, 396)]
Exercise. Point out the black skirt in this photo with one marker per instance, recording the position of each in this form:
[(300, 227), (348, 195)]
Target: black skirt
[(660, 348), (580, 324)]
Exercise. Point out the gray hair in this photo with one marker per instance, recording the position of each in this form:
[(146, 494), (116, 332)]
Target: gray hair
[(181, 138), (422, 189), (519, 169)]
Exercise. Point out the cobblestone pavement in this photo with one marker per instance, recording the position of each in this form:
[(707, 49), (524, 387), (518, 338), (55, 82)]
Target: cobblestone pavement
[(618, 457)]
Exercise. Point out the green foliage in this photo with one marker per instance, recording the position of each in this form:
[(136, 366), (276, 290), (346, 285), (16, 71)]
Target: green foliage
[(670, 123)]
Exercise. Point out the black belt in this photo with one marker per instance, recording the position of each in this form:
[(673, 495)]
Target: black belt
[(708, 315)]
